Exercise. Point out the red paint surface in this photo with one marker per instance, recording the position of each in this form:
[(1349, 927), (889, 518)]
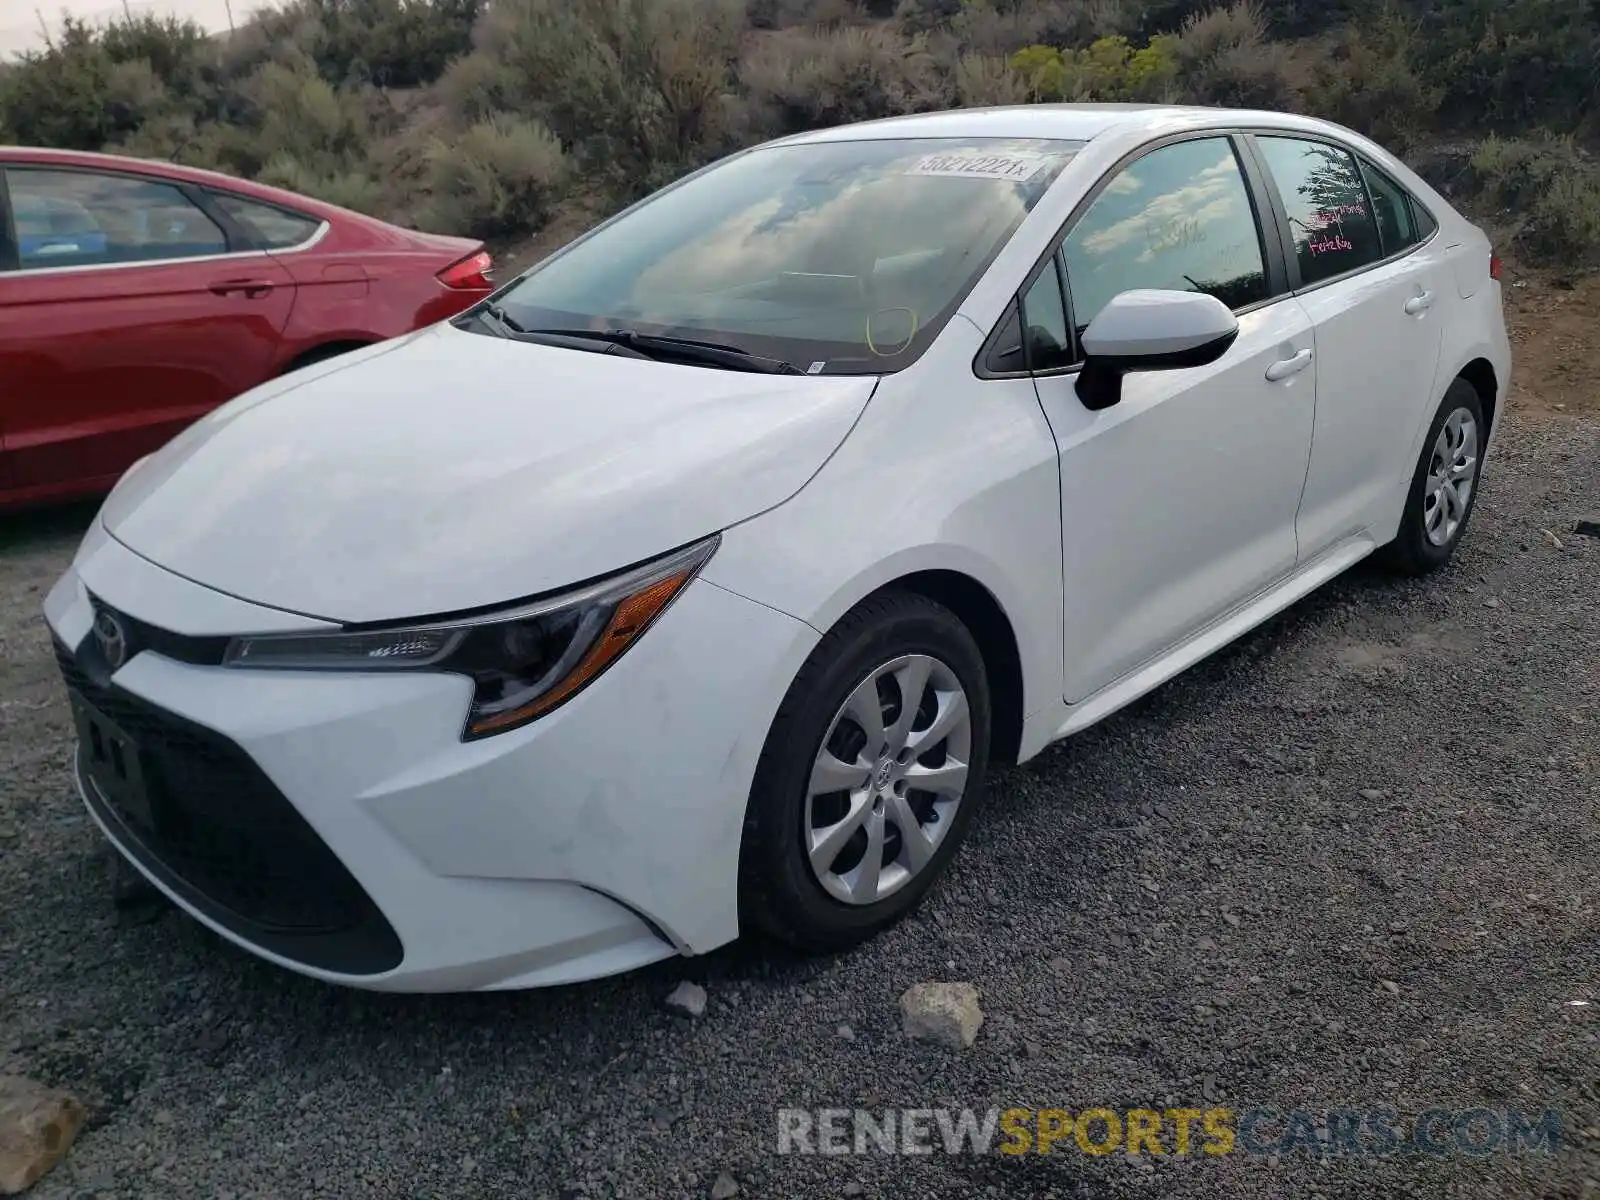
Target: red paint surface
[(101, 365)]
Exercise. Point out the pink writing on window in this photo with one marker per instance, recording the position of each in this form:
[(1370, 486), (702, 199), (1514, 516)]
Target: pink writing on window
[(1333, 216), (1330, 244)]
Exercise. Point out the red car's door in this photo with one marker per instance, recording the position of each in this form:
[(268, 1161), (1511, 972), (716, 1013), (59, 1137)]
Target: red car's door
[(126, 313)]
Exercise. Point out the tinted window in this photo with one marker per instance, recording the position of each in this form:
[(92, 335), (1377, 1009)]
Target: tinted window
[(271, 228), (1392, 205), (1424, 219), (1329, 218), (1049, 343), (1178, 218), (78, 218), (842, 257), (1006, 353)]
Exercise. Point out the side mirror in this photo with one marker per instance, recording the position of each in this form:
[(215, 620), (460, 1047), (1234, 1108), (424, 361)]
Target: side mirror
[(1151, 331)]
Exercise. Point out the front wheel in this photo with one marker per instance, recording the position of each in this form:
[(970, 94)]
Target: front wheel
[(869, 776), (1444, 486)]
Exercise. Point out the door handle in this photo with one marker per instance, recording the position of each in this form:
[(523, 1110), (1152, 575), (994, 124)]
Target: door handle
[(1286, 367), (1419, 304), (252, 288)]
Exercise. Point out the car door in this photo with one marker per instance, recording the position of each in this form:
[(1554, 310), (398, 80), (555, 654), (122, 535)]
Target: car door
[(1178, 503), (1378, 298), (126, 312)]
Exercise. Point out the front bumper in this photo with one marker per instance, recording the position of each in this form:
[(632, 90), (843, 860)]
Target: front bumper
[(345, 831)]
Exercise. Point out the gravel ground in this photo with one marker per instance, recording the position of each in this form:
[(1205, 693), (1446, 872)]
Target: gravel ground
[(1198, 902)]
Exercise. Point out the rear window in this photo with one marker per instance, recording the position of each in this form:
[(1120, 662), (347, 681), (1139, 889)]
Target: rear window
[(270, 227), (840, 257)]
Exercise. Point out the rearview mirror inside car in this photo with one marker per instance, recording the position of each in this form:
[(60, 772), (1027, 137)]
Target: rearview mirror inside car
[(1151, 330)]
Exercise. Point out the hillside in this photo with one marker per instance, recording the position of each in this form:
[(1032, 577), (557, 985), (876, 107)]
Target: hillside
[(521, 118)]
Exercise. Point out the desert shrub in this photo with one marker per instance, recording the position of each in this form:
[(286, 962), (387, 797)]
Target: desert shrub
[(1223, 57), (92, 86), (823, 14), (499, 176), (303, 117), (1512, 64), (1107, 69), (61, 95), (1003, 29), (1549, 193), (813, 79), (635, 87), (178, 53), (391, 43), (983, 79), (923, 16), (1368, 80), (478, 85), (176, 137), (351, 187)]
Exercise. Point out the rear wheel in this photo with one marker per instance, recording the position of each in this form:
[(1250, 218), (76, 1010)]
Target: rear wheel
[(869, 776), (1444, 486)]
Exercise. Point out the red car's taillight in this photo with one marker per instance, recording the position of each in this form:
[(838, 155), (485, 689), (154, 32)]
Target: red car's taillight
[(1494, 266), (472, 273)]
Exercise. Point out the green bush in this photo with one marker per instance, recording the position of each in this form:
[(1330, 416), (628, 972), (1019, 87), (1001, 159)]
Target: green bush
[(1107, 69), (1366, 79), (349, 188), (983, 79), (61, 96), (982, 27), (812, 79), (497, 177), (1513, 63), (1549, 193), (1223, 57), (635, 87), (391, 43)]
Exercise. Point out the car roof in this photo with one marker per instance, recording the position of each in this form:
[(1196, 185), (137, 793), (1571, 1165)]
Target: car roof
[(1064, 122)]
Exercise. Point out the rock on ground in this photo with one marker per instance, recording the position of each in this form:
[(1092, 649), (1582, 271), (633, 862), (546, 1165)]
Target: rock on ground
[(37, 1124), (946, 1013), (688, 998)]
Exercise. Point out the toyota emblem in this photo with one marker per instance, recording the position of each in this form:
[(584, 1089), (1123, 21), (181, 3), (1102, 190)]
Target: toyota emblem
[(111, 636)]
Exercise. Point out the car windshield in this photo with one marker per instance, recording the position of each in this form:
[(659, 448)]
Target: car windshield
[(839, 257)]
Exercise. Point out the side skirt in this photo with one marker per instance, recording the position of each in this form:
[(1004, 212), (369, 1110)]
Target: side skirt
[(1306, 579)]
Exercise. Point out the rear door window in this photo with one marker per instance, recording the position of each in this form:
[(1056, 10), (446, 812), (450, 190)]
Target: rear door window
[(88, 218), (1325, 200), (270, 227)]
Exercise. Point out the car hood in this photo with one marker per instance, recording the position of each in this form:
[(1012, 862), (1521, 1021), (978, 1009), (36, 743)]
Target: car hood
[(449, 470)]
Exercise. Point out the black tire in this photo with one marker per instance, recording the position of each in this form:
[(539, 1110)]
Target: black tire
[(1411, 552), (778, 892)]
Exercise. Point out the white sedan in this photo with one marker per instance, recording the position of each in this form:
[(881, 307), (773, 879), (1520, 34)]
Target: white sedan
[(692, 582)]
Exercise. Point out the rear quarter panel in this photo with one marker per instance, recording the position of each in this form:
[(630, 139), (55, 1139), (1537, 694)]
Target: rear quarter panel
[(366, 282)]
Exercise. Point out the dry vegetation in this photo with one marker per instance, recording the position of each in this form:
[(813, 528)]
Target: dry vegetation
[(498, 116)]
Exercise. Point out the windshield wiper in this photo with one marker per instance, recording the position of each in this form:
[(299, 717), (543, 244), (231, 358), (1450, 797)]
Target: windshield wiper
[(667, 349)]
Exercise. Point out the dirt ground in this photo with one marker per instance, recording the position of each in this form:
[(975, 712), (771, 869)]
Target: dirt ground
[(1554, 323)]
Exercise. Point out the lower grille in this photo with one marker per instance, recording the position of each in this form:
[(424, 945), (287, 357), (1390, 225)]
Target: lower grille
[(220, 834)]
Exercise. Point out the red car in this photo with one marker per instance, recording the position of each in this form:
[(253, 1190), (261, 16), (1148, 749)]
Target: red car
[(136, 296)]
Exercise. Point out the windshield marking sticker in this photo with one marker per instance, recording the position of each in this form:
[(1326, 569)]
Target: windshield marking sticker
[(1016, 168)]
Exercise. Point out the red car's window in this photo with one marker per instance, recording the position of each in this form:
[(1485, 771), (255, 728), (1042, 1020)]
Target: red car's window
[(85, 218), (271, 227)]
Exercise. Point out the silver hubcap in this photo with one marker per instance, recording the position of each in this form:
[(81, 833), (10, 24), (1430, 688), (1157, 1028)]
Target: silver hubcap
[(887, 782), (1451, 473)]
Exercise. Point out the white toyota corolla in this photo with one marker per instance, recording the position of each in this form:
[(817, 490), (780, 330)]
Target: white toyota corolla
[(692, 583)]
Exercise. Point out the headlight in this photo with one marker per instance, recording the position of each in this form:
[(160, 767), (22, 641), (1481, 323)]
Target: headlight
[(523, 661)]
